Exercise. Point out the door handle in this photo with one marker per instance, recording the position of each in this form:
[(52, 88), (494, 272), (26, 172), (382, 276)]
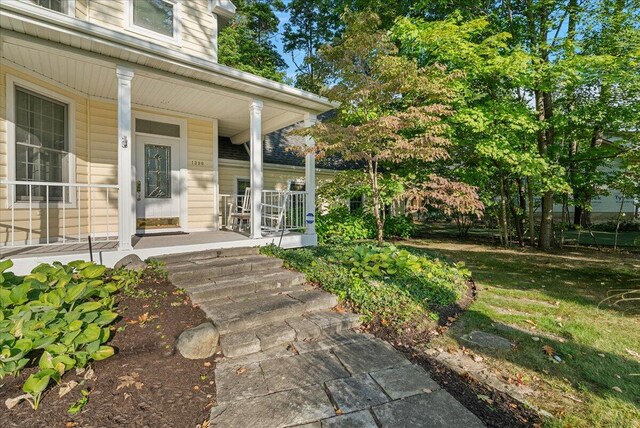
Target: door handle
[(138, 189)]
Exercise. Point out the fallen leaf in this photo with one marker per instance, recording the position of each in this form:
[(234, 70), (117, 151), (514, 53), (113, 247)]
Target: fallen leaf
[(548, 350), (616, 389), (90, 375), (127, 395), (66, 388), (530, 322), (633, 353), (130, 380), (485, 398), (339, 412), (71, 424), (12, 402)]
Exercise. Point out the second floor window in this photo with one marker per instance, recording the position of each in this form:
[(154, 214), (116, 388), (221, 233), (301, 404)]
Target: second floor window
[(154, 15), (57, 5)]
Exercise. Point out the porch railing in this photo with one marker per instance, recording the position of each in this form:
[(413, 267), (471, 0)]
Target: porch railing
[(280, 209), (42, 213)]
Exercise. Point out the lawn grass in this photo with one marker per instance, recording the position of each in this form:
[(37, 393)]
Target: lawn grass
[(526, 294), (629, 240)]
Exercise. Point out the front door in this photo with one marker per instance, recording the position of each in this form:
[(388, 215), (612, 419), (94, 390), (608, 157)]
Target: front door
[(157, 183)]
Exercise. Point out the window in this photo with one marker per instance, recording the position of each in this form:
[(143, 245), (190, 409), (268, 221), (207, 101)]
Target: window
[(41, 145), (158, 16), (356, 203), (61, 6), (241, 185), (157, 128)]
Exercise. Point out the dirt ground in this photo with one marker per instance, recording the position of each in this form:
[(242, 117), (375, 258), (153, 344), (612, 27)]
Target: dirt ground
[(145, 384)]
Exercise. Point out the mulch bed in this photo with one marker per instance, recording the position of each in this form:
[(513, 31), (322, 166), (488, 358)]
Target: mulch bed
[(494, 408), (146, 383)]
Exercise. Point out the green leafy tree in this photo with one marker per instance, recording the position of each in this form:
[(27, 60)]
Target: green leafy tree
[(247, 42), (390, 111), (310, 25)]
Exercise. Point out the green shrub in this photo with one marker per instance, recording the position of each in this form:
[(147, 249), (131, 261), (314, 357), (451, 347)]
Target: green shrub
[(340, 226), (610, 226), (398, 227), (397, 286), (60, 313)]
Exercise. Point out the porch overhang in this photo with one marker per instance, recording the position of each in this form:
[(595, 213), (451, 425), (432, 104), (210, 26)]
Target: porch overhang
[(164, 78)]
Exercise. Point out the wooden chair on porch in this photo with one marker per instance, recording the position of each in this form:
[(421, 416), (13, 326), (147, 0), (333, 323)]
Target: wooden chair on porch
[(238, 217)]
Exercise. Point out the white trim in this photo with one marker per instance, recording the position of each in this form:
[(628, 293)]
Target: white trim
[(70, 5), (235, 183), (177, 24), (216, 178), (11, 83), (183, 184)]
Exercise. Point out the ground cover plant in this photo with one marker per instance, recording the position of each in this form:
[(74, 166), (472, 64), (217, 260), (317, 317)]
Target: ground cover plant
[(132, 387), (59, 314), (392, 285), (578, 355)]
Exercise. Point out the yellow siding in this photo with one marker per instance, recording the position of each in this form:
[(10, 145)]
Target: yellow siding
[(82, 9), (200, 173), (274, 177), (197, 25)]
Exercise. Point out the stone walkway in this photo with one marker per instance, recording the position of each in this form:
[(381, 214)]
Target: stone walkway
[(291, 361)]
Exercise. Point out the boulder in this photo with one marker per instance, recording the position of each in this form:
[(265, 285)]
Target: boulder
[(198, 342), (131, 262)]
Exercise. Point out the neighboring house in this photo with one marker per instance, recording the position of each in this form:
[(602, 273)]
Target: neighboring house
[(117, 121)]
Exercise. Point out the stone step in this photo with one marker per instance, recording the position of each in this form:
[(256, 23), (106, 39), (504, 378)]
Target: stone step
[(210, 270), (249, 286), (172, 260), (238, 316), (303, 332)]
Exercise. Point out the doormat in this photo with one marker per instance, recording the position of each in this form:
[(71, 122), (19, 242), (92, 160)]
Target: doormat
[(144, 235)]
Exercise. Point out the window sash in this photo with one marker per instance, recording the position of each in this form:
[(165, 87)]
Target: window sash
[(41, 146), (154, 15), (55, 5)]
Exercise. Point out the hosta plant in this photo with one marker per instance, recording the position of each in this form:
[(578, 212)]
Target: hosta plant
[(58, 314)]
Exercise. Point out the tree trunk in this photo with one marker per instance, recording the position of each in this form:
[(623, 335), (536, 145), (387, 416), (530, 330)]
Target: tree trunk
[(503, 203), (373, 176), (532, 222)]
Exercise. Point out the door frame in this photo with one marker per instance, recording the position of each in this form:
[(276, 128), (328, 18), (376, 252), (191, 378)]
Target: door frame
[(182, 184)]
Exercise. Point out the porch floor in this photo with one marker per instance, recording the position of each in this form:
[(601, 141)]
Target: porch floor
[(138, 242)]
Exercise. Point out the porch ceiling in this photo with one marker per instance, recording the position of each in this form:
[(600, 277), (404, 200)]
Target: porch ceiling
[(151, 88)]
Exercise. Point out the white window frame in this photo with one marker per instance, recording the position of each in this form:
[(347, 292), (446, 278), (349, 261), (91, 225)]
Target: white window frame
[(177, 26), (12, 83), (70, 6), (235, 184)]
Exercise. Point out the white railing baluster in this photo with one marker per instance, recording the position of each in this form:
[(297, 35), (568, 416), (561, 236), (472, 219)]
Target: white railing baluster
[(108, 217), (13, 215), (47, 209), (78, 204), (64, 216), (30, 217), (55, 204)]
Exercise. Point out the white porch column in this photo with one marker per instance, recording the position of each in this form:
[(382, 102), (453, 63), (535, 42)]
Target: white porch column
[(126, 197), (255, 145), (310, 179)]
